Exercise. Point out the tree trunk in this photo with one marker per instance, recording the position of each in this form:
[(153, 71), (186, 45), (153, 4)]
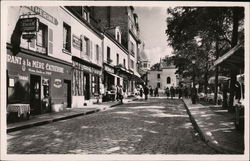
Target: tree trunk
[(234, 42), (216, 74)]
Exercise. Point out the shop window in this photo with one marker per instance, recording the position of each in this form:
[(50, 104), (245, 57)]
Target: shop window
[(95, 84), (168, 80), (117, 59), (158, 76), (66, 37)]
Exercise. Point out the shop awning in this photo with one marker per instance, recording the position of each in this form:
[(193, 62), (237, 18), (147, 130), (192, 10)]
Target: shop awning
[(137, 77), (113, 74), (233, 58)]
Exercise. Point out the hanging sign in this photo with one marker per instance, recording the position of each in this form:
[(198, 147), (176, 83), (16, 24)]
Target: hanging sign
[(29, 24)]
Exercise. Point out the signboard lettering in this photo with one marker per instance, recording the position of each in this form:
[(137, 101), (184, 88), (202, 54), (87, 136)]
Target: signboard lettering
[(29, 24), (28, 36), (35, 65), (109, 69), (43, 14), (77, 42)]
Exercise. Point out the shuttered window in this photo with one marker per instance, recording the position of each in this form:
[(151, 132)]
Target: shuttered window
[(50, 41)]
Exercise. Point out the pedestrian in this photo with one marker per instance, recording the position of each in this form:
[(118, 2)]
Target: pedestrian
[(186, 92), (167, 91), (141, 92), (180, 92), (146, 92), (156, 92), (117, 92), (151, 91), (120, 94), (172, 92)]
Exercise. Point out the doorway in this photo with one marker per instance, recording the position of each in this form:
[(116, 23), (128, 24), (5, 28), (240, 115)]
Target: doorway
[(35, 94), (67, 93), (86, 84)]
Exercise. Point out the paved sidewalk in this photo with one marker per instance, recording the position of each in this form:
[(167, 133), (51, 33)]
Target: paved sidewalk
[(216, 127), (63, 115)]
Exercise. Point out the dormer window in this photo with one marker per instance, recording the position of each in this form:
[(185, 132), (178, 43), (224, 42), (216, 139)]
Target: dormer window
[(85, 14), (118, 34)]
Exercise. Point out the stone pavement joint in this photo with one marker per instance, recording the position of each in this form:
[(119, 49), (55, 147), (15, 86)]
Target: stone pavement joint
[(54, 117), (216, 129)]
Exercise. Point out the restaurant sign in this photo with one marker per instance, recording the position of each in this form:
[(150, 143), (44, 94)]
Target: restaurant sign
[(35, 66), (109, 69), (77, 42), (86, 68), (29, 24)]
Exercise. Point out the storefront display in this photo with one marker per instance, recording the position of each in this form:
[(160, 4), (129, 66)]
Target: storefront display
[(37, 80)]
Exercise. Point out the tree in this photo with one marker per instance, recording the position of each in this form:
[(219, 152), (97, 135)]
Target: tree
[(213, 25)]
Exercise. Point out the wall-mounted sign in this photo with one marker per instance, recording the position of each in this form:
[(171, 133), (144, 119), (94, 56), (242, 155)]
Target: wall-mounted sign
[(86, 68), (109, 69), (43, 14), (35, 65), (77, 42), (29, 37), (29, 24), (58, 83)]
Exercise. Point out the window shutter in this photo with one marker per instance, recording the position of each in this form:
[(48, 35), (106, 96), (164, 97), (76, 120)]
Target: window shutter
[(50, 41), (84, 47), (100, 54), (90, 49), (82, 51)]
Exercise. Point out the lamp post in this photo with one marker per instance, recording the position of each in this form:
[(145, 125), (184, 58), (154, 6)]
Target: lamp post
[(194, 91)]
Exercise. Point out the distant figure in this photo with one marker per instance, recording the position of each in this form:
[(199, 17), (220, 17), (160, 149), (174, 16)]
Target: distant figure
[(120, 93), (186, 92), (156, 92), (172, 92), (141, 91), (146, 92), (167, 91), (180, 92), (151, 91)]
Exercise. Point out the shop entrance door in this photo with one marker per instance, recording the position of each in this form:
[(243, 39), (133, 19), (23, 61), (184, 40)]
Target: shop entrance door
[(35, 94), (67, 93), (86, 86)]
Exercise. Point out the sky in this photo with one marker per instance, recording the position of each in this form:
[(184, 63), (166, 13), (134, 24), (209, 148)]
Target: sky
[(152, 23)]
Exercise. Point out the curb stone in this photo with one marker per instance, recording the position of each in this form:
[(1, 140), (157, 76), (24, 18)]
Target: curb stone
[(39, 123), (219, 149)]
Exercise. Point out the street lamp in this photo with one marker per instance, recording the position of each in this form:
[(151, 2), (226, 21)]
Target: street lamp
[(194, 91)]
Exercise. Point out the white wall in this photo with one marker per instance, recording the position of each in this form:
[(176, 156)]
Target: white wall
[(114, 49), (134, 58), (62, 15), (153, 79)]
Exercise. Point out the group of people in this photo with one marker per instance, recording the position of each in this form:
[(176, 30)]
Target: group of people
[(144, 90), (181, 91)]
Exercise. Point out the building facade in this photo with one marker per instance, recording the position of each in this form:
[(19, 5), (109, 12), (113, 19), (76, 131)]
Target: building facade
[(71, 58), (108, 18), (165, 76), (38, 71)]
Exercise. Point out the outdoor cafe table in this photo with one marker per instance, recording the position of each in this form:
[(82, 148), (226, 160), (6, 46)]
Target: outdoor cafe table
[(19, 108)]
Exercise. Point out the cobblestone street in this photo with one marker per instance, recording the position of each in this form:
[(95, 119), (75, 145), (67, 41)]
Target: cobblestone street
[(155, 126)]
